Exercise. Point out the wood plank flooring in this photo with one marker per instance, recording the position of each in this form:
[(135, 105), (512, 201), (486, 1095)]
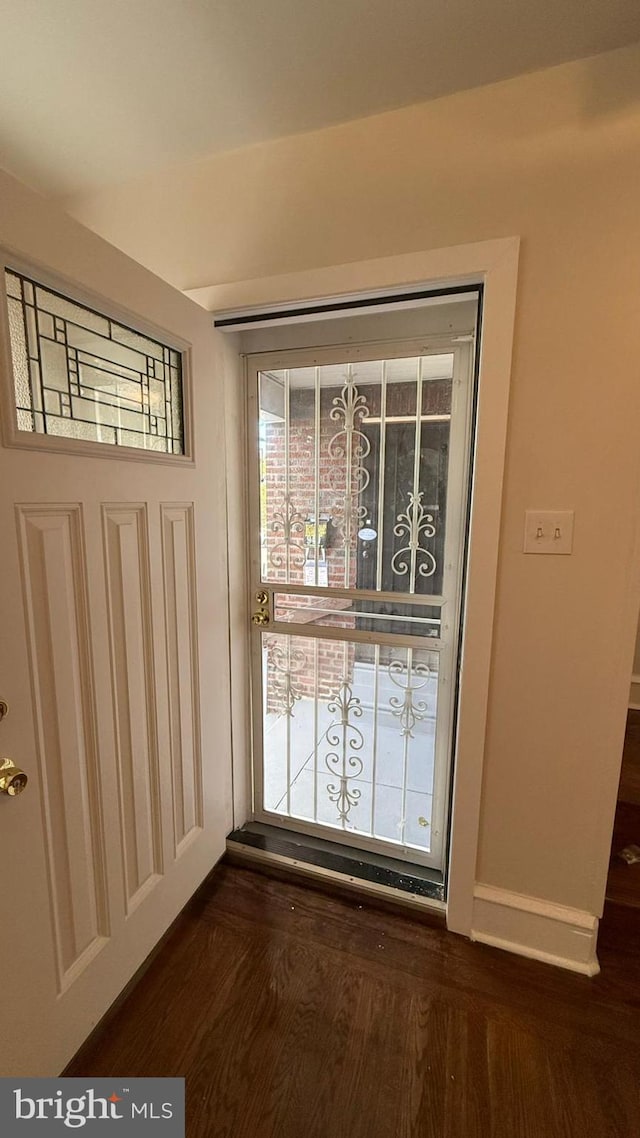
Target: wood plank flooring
[(630, 774), (298, 1014), (623, 884)]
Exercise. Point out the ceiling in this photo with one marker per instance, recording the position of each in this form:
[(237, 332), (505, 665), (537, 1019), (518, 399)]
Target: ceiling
[(94, 92)]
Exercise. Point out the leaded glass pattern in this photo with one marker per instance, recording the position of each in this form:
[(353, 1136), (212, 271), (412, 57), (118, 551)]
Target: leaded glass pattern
[(79, 374)]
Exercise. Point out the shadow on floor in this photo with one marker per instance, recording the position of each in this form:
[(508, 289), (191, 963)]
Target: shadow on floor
[(623, 884)]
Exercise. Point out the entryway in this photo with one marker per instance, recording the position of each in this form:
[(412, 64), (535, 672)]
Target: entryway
[(126, 710), (359, 482)]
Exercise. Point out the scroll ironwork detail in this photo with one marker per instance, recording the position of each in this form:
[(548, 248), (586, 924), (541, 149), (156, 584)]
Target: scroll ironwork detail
[(343, 760), (413, 525), (285, 666), (288, 524), (350, 443), (407, 708)]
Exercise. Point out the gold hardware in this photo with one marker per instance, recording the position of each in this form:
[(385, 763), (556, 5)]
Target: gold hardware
[(12, 779), (4, 709), (262, 616)]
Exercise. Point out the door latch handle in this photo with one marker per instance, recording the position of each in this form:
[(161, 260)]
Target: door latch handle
[(12, 779), (261, 617)]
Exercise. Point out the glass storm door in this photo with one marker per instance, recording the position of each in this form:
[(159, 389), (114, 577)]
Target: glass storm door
[(360, 473)]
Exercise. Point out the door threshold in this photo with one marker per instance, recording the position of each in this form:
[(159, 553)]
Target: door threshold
[(414, 885)]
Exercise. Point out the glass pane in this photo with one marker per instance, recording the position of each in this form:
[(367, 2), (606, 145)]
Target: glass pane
[(19, 356), (88, 377), (12, 284), (364, 616), (349, 736), (353, 474), (134, 340)]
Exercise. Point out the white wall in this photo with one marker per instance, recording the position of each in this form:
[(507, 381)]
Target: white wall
[(555, 158)]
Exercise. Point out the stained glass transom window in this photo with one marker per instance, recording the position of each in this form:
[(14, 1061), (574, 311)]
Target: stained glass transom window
[(81, 375)]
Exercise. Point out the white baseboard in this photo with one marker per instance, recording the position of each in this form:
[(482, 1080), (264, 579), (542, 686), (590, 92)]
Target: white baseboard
[(538, 929), (634, 693)]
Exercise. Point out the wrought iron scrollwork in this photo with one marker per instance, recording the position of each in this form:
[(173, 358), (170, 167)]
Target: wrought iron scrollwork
[(344, 762), (414, 524), (350, 405), (289, 523), (407, 708), (285, 665), (350, 443)]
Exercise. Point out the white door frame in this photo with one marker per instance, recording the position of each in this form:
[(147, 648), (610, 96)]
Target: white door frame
[(494, 264)]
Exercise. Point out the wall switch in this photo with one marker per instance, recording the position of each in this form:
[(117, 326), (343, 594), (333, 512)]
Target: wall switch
[(548, 531)]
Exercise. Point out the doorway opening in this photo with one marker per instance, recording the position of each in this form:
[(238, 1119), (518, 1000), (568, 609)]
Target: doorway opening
[(359, 489)]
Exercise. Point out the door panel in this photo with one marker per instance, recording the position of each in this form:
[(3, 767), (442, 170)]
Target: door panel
[(109, 639), (179, 576), (55, 595), (126, 548)]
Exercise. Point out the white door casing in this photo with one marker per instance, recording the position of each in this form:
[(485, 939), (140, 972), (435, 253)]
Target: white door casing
[(114, 663), (495, 264)]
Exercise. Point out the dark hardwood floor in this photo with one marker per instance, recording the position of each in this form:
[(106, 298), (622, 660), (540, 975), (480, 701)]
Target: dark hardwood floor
[(630, 774), (623, 884), (298, 1014)]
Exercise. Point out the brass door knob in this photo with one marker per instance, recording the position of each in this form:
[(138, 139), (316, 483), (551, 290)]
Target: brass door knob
[(12, 779), (261, 618)]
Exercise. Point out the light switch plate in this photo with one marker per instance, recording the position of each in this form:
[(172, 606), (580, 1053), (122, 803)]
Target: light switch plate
[(548, 531)]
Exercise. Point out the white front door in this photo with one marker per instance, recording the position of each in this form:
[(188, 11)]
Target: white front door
[(113, 621)]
